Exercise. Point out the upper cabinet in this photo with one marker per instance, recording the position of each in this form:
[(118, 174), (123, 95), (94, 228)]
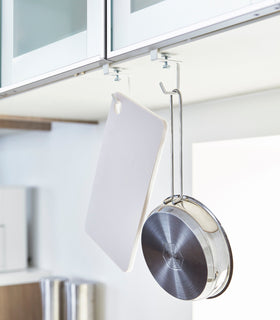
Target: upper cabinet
[(135, 24), (47, 36), (43, 41)]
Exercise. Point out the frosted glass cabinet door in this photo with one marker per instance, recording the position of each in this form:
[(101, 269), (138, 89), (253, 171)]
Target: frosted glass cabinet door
[(40, 36), (136, 21)]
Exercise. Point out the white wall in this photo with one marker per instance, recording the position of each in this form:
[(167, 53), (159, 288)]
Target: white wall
[(60, 166), (239, 181)]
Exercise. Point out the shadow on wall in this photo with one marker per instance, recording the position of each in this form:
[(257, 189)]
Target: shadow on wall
[(32, 222)]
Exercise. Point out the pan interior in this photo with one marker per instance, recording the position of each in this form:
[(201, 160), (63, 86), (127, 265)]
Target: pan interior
[(174, 256)]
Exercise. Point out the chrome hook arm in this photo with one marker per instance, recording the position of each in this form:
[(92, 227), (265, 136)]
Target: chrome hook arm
[(172, 198), (177, 91), (170, 93)]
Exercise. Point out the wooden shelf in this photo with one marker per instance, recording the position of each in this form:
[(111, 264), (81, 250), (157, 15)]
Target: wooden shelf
[(23, 276), (24, 124)]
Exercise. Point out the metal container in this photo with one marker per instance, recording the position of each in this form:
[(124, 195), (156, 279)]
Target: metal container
[(81, 301), (54, 302)]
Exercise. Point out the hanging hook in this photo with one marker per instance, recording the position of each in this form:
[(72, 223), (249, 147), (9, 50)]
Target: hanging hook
[(178, 198), (170, 93), (178, 80)]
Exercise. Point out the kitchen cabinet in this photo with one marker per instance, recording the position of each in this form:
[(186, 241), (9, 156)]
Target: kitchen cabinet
[(77, 40), (45, 37), (136, 24), (14, 207)]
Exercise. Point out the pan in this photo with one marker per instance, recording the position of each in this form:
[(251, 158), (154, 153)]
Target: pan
[(184, 245)]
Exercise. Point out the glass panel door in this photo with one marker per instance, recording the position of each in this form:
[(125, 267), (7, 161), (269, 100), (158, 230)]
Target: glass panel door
[(135, 22), (136, 5), (40, 36), (61, 19)]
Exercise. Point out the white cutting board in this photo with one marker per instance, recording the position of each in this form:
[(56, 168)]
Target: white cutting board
[(131, 144)]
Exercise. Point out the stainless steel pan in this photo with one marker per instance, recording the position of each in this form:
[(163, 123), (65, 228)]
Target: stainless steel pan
[(184, 244)]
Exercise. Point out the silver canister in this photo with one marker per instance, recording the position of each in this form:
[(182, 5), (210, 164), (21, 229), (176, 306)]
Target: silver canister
[(82, 300), (54, 302)]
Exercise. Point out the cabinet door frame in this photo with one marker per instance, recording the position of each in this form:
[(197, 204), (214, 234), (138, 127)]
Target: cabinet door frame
[(246, 15), (61, 72)]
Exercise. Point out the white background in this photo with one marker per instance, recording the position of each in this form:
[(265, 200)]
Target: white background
[(239, 181)]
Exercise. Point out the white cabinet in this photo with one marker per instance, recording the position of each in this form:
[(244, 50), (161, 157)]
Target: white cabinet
[(13, 228), (40, 37), (135, 24), (49, 40)]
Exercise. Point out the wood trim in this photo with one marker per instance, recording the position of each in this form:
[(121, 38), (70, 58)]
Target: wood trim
[(25, 125), (34, 123), (41, 119), (20, 302)]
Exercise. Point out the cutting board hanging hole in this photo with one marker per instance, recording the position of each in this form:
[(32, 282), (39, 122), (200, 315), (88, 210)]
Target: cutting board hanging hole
[(117, 104), (118, 107)]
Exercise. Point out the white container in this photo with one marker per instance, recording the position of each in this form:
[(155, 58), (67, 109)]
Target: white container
[(13, 228)]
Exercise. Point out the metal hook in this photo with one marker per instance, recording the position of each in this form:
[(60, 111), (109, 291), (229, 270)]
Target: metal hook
[(165, 61), (117, 74), (171, 93), (180, 198)]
